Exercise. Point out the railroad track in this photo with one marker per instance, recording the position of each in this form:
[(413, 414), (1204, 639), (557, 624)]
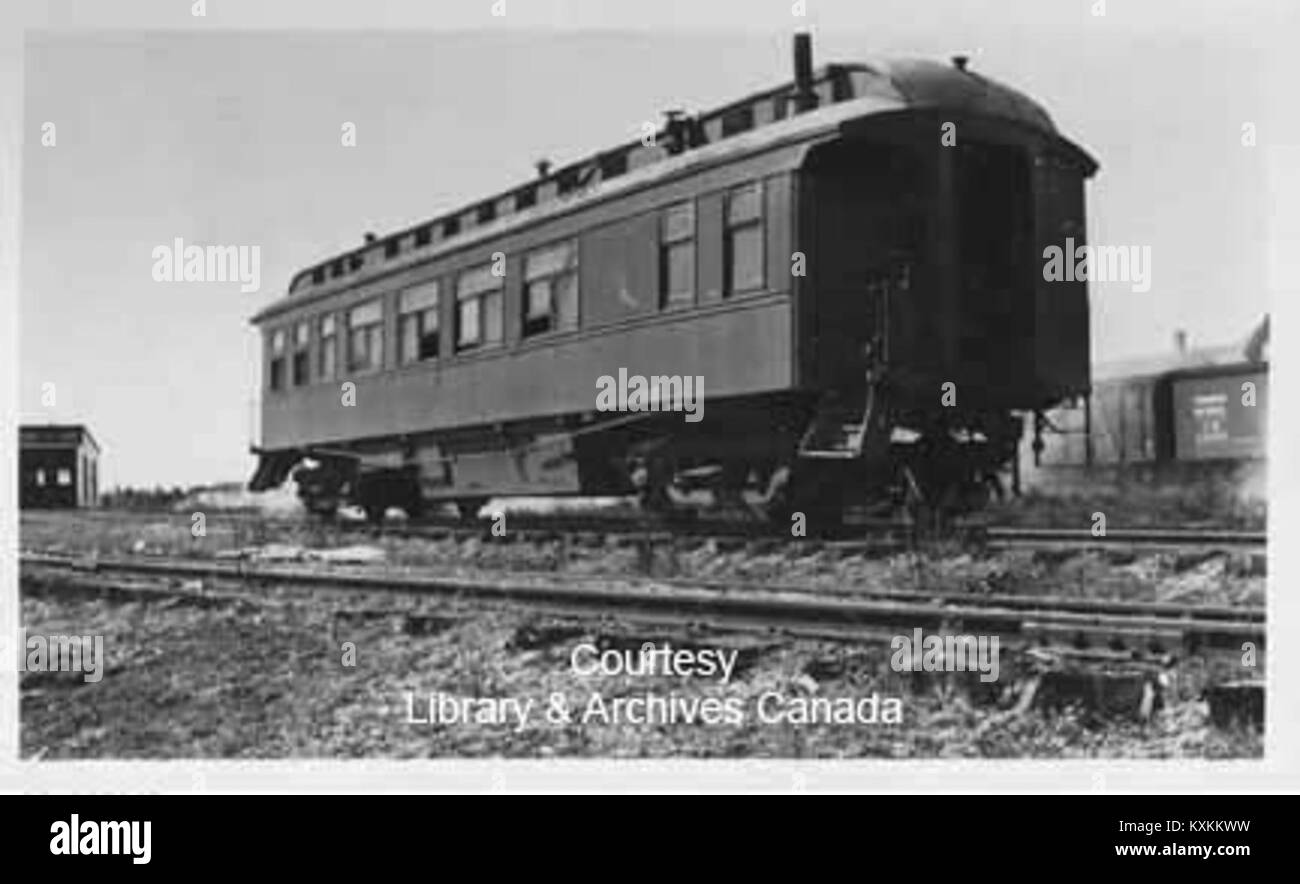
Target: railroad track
[(1157, 538), (730, 606), (877, 535), (871, 536)]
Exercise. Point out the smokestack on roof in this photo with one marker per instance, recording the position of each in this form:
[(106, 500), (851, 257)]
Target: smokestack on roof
[(1180, 342), (805, 98)]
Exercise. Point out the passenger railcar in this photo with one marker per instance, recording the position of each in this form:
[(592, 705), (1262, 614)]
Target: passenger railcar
[(850, 261)]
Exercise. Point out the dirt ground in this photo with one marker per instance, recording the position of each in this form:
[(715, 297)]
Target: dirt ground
[(1228, 496), (266, 674), (1192, 577)]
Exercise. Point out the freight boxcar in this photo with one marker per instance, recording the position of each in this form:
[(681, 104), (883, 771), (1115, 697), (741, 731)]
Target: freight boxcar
[(1215, 412), (1220, 413), (849, 264)]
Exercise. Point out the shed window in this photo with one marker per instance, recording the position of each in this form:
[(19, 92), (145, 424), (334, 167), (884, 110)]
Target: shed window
[(328, 349), (744, 239), (65, 476), (40, 478), (551, 289), (478, 308), (366, 337), (276, 379), (418, 326), (677, 255)]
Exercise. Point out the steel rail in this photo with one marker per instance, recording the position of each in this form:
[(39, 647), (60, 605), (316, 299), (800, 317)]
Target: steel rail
[(762, 608)]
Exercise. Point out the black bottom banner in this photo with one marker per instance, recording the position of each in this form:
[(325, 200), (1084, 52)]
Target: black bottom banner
[(330, 834)]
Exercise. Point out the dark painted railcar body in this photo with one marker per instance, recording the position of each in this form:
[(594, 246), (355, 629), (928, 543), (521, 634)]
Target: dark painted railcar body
[(819, 254)]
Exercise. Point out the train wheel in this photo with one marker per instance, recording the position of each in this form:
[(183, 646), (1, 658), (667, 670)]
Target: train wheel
[(320, 490), (374, 494), (656, 477), (412, 500), (729, 493), (979, 493), (415, 507), (468, 507), (819, 502), (656, 500)]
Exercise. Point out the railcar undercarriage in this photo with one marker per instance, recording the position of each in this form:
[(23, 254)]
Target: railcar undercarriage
[(773, 461)]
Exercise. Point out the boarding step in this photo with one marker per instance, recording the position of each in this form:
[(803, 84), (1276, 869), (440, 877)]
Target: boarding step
[(836, 433)]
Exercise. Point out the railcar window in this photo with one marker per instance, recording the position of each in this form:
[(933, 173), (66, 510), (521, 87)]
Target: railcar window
[(744, 239), (328, 349), (277, 360), (551, 289), (301, 354), (478, 308), (417, 323), (677, 255), (366, 337)]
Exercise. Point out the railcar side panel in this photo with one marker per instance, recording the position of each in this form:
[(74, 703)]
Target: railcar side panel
[(740, 347), (778, 215), (708, 269), (619, 283)]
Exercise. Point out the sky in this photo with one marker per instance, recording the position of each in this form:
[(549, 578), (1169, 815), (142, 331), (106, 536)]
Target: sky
[(233, 137)]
